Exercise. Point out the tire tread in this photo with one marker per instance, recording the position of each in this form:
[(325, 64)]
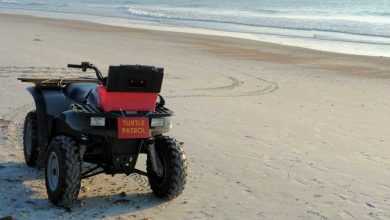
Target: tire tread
[(31, 160), (178, 165), (71, 167)]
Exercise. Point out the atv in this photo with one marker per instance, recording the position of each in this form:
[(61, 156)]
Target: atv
[(105, 122)]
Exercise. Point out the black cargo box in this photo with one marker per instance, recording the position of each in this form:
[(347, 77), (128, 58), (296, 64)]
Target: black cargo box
[(134, 78)]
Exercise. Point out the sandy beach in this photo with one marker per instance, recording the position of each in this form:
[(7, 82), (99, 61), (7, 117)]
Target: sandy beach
[(270, 131)]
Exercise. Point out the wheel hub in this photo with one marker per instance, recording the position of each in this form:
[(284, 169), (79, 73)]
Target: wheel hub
[(53, 171)]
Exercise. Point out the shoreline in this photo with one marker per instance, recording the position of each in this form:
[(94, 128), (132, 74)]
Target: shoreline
[(350, 64), (332, 46)]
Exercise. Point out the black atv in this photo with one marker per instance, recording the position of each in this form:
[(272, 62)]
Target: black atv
[(106, 122)]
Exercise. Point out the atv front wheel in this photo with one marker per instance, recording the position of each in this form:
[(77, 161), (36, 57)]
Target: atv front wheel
[(63, 171), (30, 139), (172, 157)]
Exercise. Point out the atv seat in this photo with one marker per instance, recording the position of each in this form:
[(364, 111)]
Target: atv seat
[(78, 91)]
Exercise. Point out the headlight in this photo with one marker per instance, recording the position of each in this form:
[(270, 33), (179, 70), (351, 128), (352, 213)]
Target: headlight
[(98, 121), (157, 122)]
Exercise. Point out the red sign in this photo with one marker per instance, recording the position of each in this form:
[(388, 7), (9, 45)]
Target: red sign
[(136, 127)]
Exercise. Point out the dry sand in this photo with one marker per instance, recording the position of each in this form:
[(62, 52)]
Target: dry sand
[(271, 132)]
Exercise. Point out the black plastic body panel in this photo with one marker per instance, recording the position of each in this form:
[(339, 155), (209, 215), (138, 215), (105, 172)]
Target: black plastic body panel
[(79, 91), (46, 113), (134, 78), (68, 110), (40, 106), (124, 154), (59, 111)]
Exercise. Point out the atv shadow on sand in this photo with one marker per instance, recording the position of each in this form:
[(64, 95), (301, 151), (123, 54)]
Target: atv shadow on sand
[(24, 197)]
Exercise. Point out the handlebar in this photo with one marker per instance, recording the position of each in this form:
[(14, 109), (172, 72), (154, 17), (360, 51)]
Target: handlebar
[(86, 65), (74, 66)]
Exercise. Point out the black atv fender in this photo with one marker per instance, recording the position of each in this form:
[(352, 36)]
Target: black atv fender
[(76, 124), (47, 113), (61, 127), (73, 124)]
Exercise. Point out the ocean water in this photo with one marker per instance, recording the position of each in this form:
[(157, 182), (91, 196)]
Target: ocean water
[(347, 26)]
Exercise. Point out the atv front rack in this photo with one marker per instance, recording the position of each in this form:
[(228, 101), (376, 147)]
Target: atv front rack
[(93, 111)]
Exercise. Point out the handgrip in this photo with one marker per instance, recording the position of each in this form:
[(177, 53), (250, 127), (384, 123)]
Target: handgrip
[(86, 65), (74, 66)]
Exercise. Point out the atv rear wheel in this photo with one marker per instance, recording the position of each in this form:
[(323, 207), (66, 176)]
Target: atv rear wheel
[(172, 157), (30, 139), (63, 171)]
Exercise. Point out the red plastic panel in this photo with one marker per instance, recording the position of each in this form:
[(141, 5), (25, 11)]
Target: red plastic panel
[(126, 101)]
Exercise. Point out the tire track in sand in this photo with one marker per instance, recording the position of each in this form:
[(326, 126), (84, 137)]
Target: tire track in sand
[(267, 87), (254, 85)]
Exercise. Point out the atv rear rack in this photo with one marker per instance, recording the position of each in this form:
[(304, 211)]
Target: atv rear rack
[(93, 111), (57, 80)]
